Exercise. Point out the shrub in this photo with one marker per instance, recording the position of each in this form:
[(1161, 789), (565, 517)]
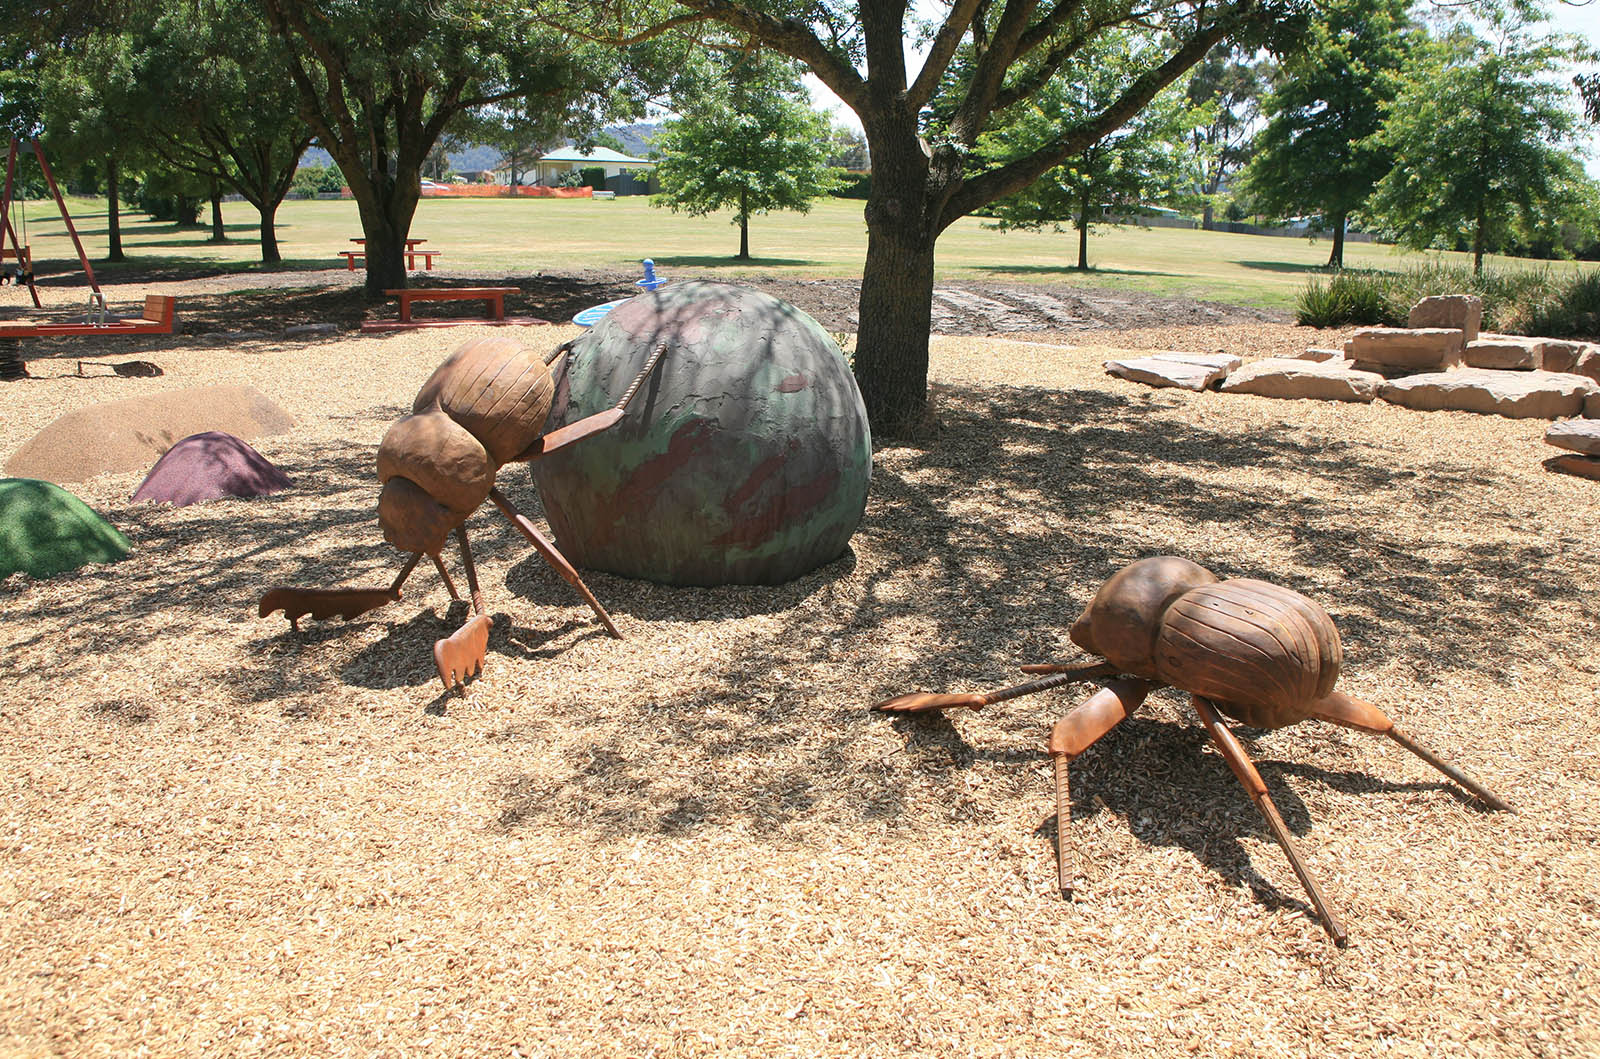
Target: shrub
[(1348, 298), (313, 180), (1535, 301), (594, 177)]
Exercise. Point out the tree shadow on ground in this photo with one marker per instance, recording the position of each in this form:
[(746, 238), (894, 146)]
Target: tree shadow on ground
[(725, 260), (984, 597), (977, 550), (1066, 271)]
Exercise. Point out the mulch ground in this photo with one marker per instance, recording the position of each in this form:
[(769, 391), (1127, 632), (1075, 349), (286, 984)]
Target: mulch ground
[(218, 837)]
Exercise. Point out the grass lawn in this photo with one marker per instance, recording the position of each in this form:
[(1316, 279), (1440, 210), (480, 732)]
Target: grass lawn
[(522, 236)]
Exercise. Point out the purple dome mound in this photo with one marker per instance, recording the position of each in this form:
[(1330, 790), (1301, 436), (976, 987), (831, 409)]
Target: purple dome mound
[(209, 466)]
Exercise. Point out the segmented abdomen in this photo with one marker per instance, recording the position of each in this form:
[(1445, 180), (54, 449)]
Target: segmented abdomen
[(497, 389), (1261, 652)]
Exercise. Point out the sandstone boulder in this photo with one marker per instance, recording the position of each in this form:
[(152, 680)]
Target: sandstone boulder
[(1514, 394), (1579, 435), (1428, 348), (1293, 378), (1504, 353), (1153, 371), (1463, 312), (1226, 361), (1571, 463)]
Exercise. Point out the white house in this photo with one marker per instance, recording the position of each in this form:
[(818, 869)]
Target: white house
[(549, 169)]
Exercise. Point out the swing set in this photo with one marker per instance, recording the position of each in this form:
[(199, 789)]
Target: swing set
[(157, 318)]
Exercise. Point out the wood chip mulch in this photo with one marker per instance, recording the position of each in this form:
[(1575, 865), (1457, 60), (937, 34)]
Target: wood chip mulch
[(218, 837)]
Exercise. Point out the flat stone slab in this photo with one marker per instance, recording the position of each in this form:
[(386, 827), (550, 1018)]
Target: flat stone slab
[(1504, 354), (1406, 347), (1317, 355), (1154, 371), (1514, 394), (1579, 435), (1225, 361), (1462, 311), (1314, 380), (1582, 466)]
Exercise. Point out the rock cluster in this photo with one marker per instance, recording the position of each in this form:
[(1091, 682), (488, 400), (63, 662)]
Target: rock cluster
[(1441, 361)]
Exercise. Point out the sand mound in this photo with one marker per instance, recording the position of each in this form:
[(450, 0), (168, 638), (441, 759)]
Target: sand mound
[(45, 530), (127, 435), (209, 466)]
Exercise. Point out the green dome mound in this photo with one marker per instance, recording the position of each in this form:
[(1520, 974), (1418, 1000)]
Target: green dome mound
[(45, 530)]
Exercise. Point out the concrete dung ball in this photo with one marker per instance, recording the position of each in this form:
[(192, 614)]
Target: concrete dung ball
[(45, 530), (745, 458)]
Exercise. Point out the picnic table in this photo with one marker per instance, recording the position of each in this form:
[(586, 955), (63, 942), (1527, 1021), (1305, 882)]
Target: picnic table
[(494, 297), (411, 252)]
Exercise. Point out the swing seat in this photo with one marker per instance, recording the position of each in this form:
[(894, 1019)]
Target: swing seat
[(157, 319)]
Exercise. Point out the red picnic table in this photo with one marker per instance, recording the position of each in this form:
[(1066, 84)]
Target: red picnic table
[(412, 253)]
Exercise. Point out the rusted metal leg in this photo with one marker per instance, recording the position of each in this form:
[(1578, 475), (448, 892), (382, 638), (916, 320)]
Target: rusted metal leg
[(461, 654), (920, 701), (321, 603), (1363, 716), (472, 570), (1077, 732), (557, 561), (1243, 768), (444, 575)]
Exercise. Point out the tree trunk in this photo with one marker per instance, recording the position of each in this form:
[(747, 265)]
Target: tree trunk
[(1477, 240), (386, 211), (219, 232), (1336, 258), (1083, 232), (744, 227), (895, 316), (113, 213), (1208, 219), (269, 234)]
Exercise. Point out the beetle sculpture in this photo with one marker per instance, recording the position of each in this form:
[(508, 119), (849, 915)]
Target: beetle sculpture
[(484, 407), (1259, 653)]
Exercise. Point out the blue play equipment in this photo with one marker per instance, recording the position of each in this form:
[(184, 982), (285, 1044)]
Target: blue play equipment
[(595, 313)]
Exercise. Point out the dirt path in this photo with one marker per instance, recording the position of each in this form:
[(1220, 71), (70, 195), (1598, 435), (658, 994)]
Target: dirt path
[(268, 301)]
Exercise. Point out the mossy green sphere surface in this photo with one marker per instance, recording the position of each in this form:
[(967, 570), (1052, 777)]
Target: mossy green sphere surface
[(745, 458), (45, 530)]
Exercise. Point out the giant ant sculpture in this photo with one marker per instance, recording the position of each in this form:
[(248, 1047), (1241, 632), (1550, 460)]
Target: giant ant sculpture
[(483, 408)]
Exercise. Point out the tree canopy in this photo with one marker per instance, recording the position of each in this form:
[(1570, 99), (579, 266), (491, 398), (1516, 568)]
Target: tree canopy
[(1319, 152), (380, 81), (1141, 163), (1481, 136), (922, 125), (748, 139)]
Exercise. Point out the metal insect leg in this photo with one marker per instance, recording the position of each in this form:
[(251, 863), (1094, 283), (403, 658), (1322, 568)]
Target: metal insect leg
[(444, 575), (1245, 770), (557, 561), (1077, 732), (321, 603), (1363, 716), (461, 654), (922, 701)]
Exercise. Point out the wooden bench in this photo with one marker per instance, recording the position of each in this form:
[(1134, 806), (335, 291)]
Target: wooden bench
[(352, 256), (157, 319), (495, 297)]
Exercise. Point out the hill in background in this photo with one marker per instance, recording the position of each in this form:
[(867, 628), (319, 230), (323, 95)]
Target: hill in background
[(635, 140)]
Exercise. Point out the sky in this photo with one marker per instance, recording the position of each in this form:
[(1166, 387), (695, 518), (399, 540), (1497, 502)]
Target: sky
[(1581, 18)]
